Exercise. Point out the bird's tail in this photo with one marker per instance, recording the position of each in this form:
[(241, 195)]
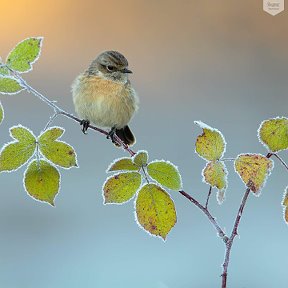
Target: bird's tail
[(126, 135)]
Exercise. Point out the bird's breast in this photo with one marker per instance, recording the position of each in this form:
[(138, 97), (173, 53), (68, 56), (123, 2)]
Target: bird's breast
[(104, 102)]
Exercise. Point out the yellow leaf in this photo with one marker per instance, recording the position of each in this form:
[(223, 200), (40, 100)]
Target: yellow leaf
[(42, 181), (285, 198), (215, 175), (253, 170), (141, 158), (123, 164), (120, 188), (58, 152), (15, 154), (155, 210), (211, 144), (273, 134)]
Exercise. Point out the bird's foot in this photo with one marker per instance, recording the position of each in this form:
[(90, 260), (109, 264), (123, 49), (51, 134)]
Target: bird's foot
[(85, 125), (111, 134)]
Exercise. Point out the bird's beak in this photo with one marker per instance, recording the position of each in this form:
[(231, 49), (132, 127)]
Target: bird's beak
[(125, 70)]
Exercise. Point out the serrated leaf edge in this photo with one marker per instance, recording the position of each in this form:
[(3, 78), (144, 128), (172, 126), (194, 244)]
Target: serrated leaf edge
[(203, 125), (176, 167), (53, 164), (284, 207), (135, 214), (259, 128), (3, 113), (258, 193), (41, 38), (23, 182), (16, 141), (112, 176), (140, 151), (114, 161), (11, 93)]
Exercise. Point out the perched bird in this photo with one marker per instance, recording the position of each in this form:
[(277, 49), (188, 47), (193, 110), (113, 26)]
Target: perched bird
[(103, 95)]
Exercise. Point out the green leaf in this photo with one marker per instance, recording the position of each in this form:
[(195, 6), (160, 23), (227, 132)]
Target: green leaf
[(9, 85), (253, 169), (211, 144), (1, 113), (122, 164), (273, 134), (42, 181), (58, 152), (141, 158), (3, 70), (215, 175), (120, 188), (25, 54), (165, 173), (15, 154), (155, 210)]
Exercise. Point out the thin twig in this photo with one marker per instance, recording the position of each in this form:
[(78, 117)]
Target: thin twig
[(234, 233), (212, 219), (231, 239), (51, 120), (59, 111), (208, 197), (281, 160), (145, 174)]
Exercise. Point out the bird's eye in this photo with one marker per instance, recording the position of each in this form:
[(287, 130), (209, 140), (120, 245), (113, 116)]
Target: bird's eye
[(110, 68)]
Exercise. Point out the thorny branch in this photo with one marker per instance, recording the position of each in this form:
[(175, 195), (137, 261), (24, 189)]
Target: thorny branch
[(59, 111), (234, 233), (227, 240), (212, 219)]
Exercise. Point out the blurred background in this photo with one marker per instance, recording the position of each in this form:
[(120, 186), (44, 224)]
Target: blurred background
[(222, 62)]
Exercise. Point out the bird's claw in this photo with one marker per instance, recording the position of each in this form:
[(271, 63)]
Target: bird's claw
[(85, 125)]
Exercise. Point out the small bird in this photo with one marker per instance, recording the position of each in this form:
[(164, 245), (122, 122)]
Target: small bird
[(103, 95)]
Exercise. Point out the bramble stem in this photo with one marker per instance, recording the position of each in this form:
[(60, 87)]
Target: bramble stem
[(231, 238), (60, 111), (208, 197), (234, 233), (212, 219)]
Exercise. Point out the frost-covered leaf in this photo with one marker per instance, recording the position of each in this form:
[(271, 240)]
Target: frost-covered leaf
[(121, 188), (15, 154), (253, 170), (9, 85), (273, 134), (141, 158), (123, 164), (1, 113), (42, 181), (211, 144), (3, 70), (165, 173), (58, 152), (285, 198), (155, 210), (215, 174), (285, 205), (25, 54), (286, 214)]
